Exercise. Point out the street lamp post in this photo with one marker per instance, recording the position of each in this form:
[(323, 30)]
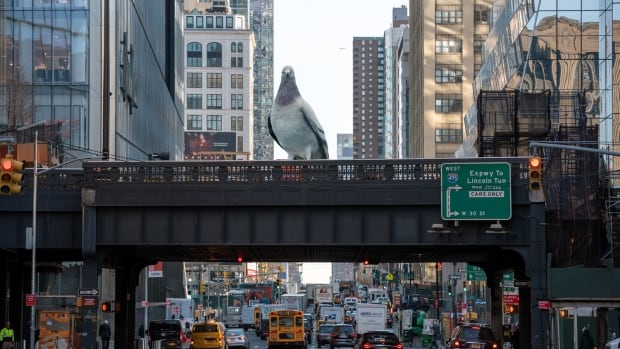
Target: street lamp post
[(34, 227), (35, 175)]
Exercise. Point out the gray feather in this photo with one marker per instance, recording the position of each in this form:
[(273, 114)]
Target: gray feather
[(293, 124)]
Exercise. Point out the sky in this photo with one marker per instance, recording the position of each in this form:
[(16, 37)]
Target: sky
[(316, 273), (316, 39)]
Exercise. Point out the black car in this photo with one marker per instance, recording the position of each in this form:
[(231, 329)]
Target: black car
[(343, 335), (168, 332), (472, 336), (324, 334), (379, 340)]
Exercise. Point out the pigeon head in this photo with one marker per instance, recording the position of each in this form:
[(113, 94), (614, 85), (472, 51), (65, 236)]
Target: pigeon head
[(288, 90)]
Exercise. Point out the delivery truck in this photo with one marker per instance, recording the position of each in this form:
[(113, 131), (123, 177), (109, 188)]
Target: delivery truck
[(370, 317)]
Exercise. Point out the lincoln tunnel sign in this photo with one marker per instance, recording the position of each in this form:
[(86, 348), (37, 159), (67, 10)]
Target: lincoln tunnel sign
[(476, 191)]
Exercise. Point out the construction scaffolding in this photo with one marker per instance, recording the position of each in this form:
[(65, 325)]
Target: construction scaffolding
[(576, 211)]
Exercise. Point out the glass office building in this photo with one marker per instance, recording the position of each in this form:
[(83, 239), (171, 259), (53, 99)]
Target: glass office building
[(87, 68)]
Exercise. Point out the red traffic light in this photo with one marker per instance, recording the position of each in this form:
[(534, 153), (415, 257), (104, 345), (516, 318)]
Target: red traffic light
[(535, 173), (239, 259), (10, 175), (106, 307)]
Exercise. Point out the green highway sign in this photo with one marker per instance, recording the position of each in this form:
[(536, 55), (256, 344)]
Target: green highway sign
[(475, 273), (476, 191)]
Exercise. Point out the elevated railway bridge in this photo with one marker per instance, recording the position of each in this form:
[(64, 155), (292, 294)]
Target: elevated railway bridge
[(126, 215)]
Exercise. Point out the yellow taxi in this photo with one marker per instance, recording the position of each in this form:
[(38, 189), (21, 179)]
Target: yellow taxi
[(208, 335)]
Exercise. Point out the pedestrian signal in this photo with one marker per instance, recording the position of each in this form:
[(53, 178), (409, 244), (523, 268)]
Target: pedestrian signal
[(11, 176), (106, 307), (513, 308), (535, 173)]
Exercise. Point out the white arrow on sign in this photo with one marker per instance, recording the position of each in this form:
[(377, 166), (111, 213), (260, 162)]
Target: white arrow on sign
[(89, 292), (454, 187)]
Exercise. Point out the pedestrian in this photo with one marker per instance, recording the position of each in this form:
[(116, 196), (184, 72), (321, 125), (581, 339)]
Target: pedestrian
[(586, 341), (105, 333), (514, 338), (7, 335)]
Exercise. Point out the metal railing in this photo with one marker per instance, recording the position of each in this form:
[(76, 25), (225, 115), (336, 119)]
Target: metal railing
[(418, 170)]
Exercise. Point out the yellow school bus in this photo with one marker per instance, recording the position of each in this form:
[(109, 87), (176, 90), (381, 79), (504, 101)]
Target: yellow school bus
[(286, 329)]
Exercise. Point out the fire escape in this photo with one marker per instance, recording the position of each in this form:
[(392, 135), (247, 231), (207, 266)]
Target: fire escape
[(579, 208)]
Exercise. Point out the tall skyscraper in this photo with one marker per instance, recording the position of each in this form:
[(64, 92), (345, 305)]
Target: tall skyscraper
[(446, 51), (368, 97), (261, 23)]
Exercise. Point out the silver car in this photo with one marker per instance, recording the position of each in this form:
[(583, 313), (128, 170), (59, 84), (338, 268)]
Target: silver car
[(235, 337)]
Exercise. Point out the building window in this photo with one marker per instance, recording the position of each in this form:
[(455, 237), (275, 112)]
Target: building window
[(479, 42), (477, 69), (219, 22), (236, 62), (229, 22), (189, 22), (239, 47), (236, 101), (233, 47), (236, 81), (446, 14), (214, 122), (448, 103), (450, 133), (194, 101), (214, 80), (481, 14), (194, 80), (448, 73), (448, 44), (200, 22), (194, 122), (214, 54), (239, 143), (209, 22), (236, 123), (194, 54), (214, 101)]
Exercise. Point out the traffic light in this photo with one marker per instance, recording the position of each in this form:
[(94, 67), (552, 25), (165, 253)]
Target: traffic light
[(203, 288), (464, 286), (449, 290), (535, 173), (106, 307), (513, 308), (278, 283), (10, 176)]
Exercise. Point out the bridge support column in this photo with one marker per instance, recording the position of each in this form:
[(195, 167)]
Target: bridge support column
[(90, 276), (536, 268)]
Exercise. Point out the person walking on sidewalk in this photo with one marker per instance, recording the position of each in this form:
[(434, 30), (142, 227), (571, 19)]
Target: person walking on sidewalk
[(7, 335), (105, 332)]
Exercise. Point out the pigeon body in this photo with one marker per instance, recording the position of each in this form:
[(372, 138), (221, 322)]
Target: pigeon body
[(293, 124)]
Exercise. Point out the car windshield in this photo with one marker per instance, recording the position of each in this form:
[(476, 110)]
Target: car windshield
[(470, 333), (205, 328), (235, 332), (326, 329)]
